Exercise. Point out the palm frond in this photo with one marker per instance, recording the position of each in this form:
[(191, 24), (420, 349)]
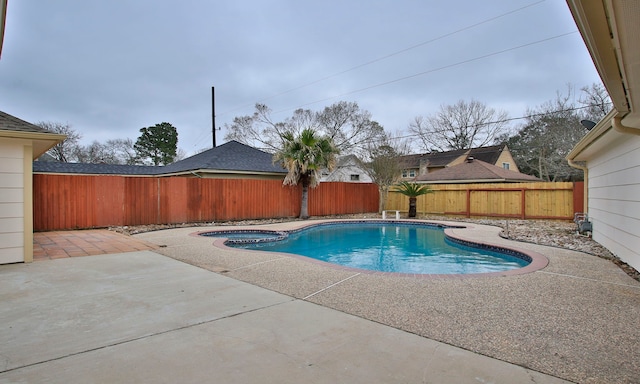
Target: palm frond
[(413, 189)]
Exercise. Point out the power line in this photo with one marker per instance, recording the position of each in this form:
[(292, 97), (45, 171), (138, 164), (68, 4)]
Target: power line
[(431, 70), (384, 57), (447, 67), (512, 119)]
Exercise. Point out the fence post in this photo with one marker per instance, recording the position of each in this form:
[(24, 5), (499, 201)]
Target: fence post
[(523, 202), (468, 202)]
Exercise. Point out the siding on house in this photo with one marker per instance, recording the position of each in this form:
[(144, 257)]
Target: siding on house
[(614, 201), (20, 143), (12, 201), (347, 170), (505, 157), (348, 174)]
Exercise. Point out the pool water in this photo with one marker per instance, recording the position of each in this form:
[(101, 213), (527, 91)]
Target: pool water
[(390, 247)]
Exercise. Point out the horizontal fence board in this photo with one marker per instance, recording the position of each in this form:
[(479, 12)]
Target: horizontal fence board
[(542, 200), (82, 201)]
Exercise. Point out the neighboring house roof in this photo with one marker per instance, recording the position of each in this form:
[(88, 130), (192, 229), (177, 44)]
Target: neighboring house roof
[(474, 171), (441, 159), (347, 160), (93, 169), (41, 139), (231, 157), (411, 161), (489, 154)]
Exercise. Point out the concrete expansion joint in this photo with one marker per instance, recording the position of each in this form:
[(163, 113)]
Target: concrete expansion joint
[(331, 286), (589, 279)]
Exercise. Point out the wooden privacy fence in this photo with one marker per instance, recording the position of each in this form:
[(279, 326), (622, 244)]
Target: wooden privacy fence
[(521, 200), (79, 201)]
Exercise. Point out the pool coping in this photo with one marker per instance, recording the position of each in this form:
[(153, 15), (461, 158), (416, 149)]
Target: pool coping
[(538, 261)]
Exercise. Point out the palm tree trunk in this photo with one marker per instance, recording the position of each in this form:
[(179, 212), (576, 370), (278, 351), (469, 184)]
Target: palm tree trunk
[(412, 206), (304, 202)]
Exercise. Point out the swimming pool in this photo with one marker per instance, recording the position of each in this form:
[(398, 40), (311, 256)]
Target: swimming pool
[(414, 248)]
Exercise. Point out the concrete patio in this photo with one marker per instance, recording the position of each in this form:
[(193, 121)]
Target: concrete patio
[(144, 317)]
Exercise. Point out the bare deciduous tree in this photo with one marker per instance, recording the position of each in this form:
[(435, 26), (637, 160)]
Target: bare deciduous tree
[(259, 130), (596, 100), (116, 151), (350, 128), (542, 143), (463, 125), (64, 150), (383, 164)]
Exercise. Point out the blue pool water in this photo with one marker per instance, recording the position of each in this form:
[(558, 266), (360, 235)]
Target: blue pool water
[(389, 247)]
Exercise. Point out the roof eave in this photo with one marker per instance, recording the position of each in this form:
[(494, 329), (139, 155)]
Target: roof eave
[(41, 142), (601, 128), (475, 181), (3, 21), (466, 181), (221, 171), (592, 20)]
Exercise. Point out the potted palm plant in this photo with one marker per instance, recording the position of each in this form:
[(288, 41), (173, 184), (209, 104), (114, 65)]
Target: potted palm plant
[(413, 190)]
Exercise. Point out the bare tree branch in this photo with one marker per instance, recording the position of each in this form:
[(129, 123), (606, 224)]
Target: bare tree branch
[(463, 125), (64, 150)]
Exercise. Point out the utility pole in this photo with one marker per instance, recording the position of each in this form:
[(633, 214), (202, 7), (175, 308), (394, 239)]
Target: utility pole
[(213, 115)]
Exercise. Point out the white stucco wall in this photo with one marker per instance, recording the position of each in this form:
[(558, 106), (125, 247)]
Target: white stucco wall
[(614, 198), (12, 201), (343, 173)]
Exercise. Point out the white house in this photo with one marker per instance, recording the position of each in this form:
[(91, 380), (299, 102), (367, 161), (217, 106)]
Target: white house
[(348, 169), (610, 152), (20, 144)]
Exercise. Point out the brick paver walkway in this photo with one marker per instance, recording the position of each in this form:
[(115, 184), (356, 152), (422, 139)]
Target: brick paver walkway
[(60, 244)]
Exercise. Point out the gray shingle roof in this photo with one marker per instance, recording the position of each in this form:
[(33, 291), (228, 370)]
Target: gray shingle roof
[(12, 123), (488, 154), (475, 170), (231, 156), (94, 169)]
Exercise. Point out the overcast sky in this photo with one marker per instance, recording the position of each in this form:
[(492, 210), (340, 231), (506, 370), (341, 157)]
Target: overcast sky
[(109, 68)]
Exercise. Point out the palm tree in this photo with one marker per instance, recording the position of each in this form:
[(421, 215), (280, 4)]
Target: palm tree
[(303, 157), (413, 190)]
